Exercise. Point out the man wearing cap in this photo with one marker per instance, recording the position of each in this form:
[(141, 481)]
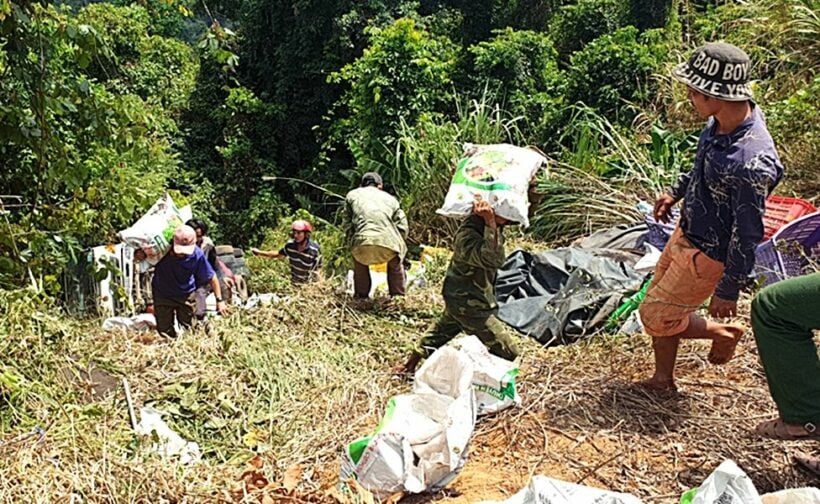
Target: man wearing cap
[(376, 229), (303, 253), (711, 252), (176, 278)]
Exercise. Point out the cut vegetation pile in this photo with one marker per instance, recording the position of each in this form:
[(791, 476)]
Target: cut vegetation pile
[(296, 381)]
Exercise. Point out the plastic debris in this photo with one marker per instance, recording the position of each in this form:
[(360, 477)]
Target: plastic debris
[(544, 490), (168, 443), (140, 322), (727, 484)]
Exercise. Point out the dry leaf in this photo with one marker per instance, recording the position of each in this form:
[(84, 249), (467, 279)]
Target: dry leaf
[(267, 499), (292, 477), (256, 462), (146, 338), (393, 499)]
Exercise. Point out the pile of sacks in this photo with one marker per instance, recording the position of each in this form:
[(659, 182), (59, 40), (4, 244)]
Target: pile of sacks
[(421, 442)]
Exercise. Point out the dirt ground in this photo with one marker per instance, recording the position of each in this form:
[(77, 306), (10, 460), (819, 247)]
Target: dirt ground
[(582, 421)]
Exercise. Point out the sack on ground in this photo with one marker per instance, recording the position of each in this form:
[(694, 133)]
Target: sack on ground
[(793, 496), (154, 231), (544, 490), (498, 173), (727, 484), (420, 445), (451, 370)]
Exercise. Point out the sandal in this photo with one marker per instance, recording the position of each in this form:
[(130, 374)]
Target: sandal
[(811, 464), (778, 429)]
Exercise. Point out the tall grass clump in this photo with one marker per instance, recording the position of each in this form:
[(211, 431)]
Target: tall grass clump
[(426, 155), (782, 38), (31, 333), (597, 180)]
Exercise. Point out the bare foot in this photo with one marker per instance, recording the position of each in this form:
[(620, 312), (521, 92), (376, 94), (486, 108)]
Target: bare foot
[(724, 343), (810, 463)]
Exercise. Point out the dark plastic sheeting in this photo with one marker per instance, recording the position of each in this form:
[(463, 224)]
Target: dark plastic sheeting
[(563, 295)]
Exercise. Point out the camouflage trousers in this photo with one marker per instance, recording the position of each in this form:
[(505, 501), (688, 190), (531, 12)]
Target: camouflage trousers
[(486, 325)]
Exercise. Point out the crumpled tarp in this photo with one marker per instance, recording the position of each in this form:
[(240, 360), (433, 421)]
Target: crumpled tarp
[(623, 236), (562, 295)]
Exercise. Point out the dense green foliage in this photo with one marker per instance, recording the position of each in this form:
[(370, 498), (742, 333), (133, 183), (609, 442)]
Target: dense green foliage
[(615, 69), (84, 141), (520, 69), (403, 73), (253, 109), (578, 24)]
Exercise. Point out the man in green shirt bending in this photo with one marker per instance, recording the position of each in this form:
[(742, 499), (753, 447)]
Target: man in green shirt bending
[(376, 229)]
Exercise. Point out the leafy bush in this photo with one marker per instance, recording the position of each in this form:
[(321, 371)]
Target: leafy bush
[(795, 126), (120, 29), (648, 14), (83, 158), (576, 25), (168, 18), (403, 73), (166, 73), (520, 69), (160, 70), (245, 204), (614, 71)]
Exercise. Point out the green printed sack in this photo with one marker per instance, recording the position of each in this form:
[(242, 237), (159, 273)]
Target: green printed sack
[(154, 231), (498, 173), (467, 364), (420, 445)]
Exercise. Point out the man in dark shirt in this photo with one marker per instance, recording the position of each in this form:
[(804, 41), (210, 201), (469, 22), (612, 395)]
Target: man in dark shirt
[(302, 252), (711, 253), (176, 278)]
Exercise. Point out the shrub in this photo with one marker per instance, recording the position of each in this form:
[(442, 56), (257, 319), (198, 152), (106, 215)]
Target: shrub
[(403, 73), (615, 70), (795, 126), (84, 158), (576, 25), (121, 29), (648, 14), (520, 68)]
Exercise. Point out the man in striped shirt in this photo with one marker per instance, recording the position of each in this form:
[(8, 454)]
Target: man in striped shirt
[(302, 252)]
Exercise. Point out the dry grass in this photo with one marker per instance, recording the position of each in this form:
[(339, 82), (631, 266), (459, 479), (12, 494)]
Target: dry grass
[(297, 381)]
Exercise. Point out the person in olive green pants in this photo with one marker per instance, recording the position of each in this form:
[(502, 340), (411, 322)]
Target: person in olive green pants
[(469, 290), (783, 318)]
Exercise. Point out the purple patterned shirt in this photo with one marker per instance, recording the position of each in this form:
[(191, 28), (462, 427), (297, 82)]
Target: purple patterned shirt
[(725, 197)]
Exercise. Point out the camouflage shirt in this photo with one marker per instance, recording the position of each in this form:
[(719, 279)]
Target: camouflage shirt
[(478, 253)]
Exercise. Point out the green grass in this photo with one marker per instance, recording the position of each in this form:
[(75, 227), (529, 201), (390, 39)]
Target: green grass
[(294, 382)]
